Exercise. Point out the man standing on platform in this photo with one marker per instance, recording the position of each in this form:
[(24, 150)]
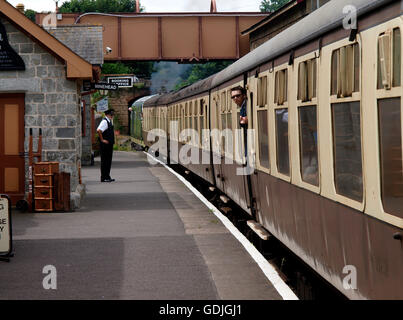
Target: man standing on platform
[(106, 135)]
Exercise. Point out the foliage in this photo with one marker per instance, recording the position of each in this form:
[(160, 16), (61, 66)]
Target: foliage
[(115, 68), (201, 71), (140, 69), (30, 14), (82, 6), (272, 5)]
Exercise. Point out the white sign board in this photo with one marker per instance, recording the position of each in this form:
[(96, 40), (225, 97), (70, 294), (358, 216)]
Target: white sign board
[(102, 105), (5, 242), (123, 82)]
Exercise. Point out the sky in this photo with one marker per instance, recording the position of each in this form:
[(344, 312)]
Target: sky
[(161, 5)]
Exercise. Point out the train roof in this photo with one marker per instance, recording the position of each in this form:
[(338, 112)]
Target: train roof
[(140, 102), (322, 20), (326, 18), (191, 90)]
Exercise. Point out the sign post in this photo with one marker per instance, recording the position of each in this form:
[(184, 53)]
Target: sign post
[(104, 86), (5, 229)]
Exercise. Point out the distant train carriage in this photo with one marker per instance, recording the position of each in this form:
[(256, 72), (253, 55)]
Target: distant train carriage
[(325, 146), (136, 116)]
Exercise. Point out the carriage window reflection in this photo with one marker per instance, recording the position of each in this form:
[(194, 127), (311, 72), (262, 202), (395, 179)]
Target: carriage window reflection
[(390, 138), (263, 139), (283, 161), (308, 145), (347, 149)]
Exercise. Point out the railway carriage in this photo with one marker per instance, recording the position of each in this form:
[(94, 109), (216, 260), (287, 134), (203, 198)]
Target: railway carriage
[(136, 116), (325, 106)]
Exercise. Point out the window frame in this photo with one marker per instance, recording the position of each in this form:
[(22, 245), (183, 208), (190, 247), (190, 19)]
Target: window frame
[(261, 108), (381, 94), (297, 178), (327, 162), (273, 147)]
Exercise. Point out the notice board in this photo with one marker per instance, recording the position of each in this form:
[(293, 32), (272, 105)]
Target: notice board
[(5, 226)]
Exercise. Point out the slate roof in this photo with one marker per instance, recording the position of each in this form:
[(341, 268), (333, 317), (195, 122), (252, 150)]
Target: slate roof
[(86, 41)]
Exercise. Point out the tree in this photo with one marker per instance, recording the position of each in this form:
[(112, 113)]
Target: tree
[(115, 68), (30, 14), (272, 5), (140, 68), (201, 71), (105, 6)]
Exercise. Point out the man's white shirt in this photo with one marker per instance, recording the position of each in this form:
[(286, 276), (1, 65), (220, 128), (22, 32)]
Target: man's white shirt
[(104, 124)]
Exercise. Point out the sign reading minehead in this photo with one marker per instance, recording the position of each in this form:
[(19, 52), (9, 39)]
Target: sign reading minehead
[(9, 59), (5, 226)]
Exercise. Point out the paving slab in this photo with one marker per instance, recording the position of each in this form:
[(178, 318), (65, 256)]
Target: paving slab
[(145, 236)]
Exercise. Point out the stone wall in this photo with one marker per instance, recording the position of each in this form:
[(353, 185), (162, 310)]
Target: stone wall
[(51, 103), (86, 139), (119, 101)]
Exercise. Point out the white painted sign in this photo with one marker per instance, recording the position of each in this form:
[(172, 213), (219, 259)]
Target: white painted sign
[(123, 82), (102, 105), (4, 226)]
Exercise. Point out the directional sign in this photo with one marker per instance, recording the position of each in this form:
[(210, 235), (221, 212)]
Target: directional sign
[(5, 226), (122, 82), (105, 86)]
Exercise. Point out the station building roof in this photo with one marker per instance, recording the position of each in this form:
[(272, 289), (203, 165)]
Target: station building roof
[(77, 67)]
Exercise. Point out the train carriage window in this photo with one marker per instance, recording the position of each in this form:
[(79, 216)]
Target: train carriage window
[(262, 91), (345, 71), (196, 122), (223, 101), (263, 139), (307, 80), (347, 149), (186, 115), (280, 91), (390, 139), (389, 59), (283, 161), (308, 144), (397, 58), (181, 114), (201, 122)]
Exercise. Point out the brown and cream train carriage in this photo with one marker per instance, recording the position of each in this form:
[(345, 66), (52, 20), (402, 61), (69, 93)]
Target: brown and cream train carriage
[(325, 104)]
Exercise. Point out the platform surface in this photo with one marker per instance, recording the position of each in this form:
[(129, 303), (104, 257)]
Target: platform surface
[(144, 236)]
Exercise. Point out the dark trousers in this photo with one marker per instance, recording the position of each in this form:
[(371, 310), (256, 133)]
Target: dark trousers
[(106, 160)]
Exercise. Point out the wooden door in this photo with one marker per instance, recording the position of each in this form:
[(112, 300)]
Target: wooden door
[(12, 166)]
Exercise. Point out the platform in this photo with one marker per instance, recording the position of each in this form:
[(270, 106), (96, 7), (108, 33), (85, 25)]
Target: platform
[(144, 236)]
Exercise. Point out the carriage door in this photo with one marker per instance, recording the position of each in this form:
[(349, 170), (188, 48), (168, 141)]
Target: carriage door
[(12, 174)]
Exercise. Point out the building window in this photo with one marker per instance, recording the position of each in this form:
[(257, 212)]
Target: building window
[(347, 149)]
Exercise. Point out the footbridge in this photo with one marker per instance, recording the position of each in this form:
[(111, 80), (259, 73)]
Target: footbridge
[(183, 37)]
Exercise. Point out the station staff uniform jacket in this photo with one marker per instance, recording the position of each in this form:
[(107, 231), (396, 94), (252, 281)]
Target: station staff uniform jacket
[(108, 133)]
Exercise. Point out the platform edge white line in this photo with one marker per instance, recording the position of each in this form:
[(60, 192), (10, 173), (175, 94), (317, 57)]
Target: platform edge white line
[(267, 268)]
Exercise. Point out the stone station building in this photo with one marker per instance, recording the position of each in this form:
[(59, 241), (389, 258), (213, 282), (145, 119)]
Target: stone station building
[(44, 95)]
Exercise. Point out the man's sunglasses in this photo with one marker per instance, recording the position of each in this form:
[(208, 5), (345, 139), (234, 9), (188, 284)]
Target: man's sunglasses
[(236, 96)]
